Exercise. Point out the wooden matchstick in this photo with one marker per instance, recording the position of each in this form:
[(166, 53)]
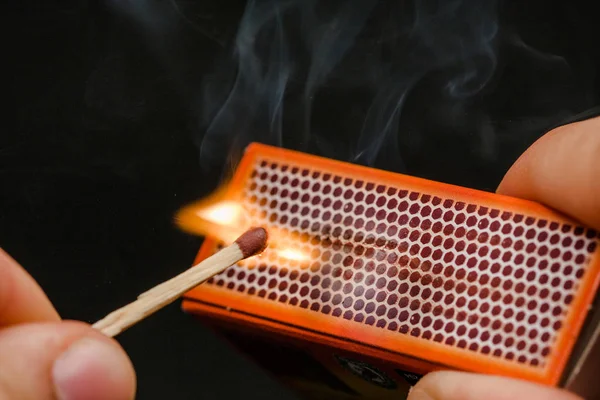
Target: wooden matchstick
[(248, 244)]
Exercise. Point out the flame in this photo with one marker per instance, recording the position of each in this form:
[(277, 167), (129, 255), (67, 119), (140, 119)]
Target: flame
[(216, 217), (226, 213), (225, 220), (292, 254)]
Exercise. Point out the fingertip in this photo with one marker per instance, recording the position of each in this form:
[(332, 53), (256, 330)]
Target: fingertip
[(65, 360), (432, 386), (452, 385), (22, 300), (93, 368), (561, 170), (425, 388)]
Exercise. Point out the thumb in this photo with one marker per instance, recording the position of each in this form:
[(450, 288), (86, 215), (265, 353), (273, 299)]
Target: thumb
[(449, 385), (64, 361)]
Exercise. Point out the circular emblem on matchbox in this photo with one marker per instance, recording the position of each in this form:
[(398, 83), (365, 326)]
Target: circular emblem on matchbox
[(367, 372)]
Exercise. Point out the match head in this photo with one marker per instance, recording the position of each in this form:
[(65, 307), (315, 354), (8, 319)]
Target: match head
[(252, 242)]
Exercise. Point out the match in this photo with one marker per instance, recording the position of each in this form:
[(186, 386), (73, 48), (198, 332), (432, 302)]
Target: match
[(252, 242)]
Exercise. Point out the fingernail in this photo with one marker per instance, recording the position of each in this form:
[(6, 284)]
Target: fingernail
[(93, 369)]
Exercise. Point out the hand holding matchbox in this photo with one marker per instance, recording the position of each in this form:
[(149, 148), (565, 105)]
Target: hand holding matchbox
[(376, 278)]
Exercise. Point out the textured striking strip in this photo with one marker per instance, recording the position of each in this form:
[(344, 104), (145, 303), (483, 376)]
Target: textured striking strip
[(462, 274)]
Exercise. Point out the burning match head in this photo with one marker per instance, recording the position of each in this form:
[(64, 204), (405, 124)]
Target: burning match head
[(253, 241)]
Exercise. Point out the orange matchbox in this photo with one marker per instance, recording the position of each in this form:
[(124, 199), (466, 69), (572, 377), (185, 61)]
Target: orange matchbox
[(372, 278)]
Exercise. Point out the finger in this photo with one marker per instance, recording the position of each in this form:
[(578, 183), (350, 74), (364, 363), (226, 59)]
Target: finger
[(21, 298), (562, 171), (467, 386), (64, 361)]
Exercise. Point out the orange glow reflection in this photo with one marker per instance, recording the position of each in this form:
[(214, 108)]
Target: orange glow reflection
[(225, 220), (292, 254)]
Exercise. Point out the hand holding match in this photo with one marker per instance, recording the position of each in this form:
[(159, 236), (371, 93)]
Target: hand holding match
[(250, 243)]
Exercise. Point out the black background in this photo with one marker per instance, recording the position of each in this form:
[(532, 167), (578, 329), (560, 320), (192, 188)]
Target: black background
[(99, 148)]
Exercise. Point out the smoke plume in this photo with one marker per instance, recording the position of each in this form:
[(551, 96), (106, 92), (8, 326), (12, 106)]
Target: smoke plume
[(374, 82)]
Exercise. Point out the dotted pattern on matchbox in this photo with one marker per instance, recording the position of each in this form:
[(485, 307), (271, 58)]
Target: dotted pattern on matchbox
[(465, 275)]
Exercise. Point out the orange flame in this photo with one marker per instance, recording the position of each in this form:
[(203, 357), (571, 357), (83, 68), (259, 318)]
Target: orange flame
[(225, 220), (227, 213)]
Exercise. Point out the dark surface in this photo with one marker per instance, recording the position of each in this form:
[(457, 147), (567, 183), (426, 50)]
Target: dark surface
[(106, 115)]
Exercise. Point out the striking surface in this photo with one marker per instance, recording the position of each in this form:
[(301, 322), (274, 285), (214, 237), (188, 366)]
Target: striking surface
[(462, 274)]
